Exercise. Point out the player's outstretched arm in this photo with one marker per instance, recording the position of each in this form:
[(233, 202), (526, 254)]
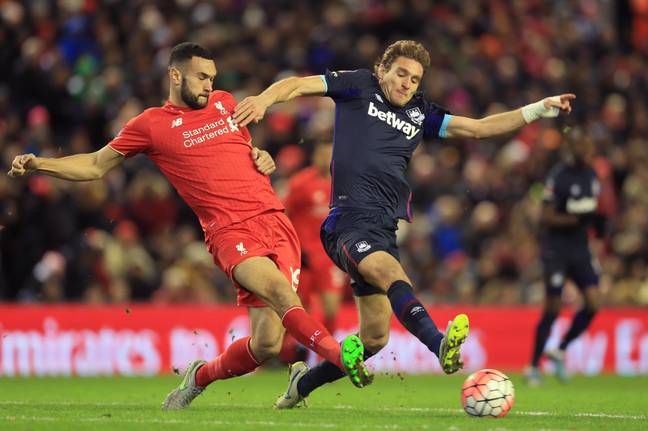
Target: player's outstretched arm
[(498, 124), (253, 108), (79, 167)]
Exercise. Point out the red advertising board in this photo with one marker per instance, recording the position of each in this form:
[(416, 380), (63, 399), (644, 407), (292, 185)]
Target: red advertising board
[(148, 339)]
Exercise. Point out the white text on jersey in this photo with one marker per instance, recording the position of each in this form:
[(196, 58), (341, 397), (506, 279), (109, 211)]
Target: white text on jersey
[(390, 118), (208, 131)]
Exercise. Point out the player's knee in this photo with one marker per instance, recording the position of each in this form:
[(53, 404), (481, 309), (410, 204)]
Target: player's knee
[(381, 275), (280, 296), (375, 343), (592, 300)]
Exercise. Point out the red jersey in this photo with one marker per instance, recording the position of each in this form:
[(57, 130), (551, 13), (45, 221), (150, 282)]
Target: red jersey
[(205, 156), (307, 203)]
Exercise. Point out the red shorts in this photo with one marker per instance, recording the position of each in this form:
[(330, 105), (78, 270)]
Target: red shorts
[(322, 277), (269, 234)]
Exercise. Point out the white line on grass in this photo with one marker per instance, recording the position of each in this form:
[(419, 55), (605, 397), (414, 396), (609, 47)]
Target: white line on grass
[(341, 407), (281, 425), (515, 412), (269, 424)]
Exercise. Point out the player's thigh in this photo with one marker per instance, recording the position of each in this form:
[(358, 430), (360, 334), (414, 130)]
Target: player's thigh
[(375, 319), (355, 237), (267, 332), (555, 275), (583, 269), (592, 298), (331, 301), (261, 276), (329, 281), (381, 269)]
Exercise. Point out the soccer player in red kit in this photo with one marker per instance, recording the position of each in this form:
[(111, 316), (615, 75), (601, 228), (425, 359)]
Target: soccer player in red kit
[(307, 205), (213, 166)]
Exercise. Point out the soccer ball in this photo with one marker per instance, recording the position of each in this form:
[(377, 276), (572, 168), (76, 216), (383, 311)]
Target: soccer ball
[(487, 392)]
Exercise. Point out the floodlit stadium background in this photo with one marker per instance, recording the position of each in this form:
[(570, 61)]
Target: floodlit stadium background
[(73, 72)]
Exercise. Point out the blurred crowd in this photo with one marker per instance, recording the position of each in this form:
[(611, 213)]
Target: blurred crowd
[(74, 71)]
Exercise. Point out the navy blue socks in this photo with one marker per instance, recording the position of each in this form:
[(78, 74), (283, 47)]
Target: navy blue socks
[(413, 316), (320, 374), (542, 334), (581, 321)]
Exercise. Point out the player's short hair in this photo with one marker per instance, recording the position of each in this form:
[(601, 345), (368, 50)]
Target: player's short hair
[(185, 51), (403, 48)]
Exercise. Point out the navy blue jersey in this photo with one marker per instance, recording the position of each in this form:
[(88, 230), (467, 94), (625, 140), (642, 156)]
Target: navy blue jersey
[(374, 141), (571, 190)]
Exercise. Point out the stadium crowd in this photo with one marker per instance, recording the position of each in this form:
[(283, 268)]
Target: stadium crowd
[(74, 71)]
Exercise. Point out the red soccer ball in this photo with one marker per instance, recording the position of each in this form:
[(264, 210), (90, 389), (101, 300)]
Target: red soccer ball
[(487, 393)]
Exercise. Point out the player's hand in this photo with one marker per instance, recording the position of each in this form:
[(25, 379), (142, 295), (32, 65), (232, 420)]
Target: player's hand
[(250, 109), (263, 161), (562, 102), (22, 165)]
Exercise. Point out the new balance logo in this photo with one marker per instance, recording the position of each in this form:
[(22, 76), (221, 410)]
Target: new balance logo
[(176, 123), (241, 248), (362, 246), (391, 119)]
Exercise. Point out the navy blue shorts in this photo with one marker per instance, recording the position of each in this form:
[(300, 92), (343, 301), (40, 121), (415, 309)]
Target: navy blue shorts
[(576, 264), (351, 235)]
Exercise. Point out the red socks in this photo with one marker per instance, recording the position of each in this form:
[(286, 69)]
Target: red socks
[(238, 359), (312, 334), (235, 361), (331, 324)]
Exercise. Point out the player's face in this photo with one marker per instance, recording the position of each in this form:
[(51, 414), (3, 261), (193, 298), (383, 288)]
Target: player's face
[(196, 80), (401, 81)]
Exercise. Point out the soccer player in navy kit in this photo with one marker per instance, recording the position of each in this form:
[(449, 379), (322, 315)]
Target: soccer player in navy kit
[(570, 201), (380, 119)]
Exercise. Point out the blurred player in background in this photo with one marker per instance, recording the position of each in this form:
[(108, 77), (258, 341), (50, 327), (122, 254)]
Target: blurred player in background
[(569, 208), (212, 164), (380, 119), (307, 205)]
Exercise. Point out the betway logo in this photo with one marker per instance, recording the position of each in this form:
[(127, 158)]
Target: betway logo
[(390, 118)]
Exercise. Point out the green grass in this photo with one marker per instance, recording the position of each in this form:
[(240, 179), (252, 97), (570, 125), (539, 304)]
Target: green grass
[(416, 402)]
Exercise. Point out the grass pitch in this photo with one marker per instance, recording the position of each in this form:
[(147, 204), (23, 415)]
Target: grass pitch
[(391, 403)]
